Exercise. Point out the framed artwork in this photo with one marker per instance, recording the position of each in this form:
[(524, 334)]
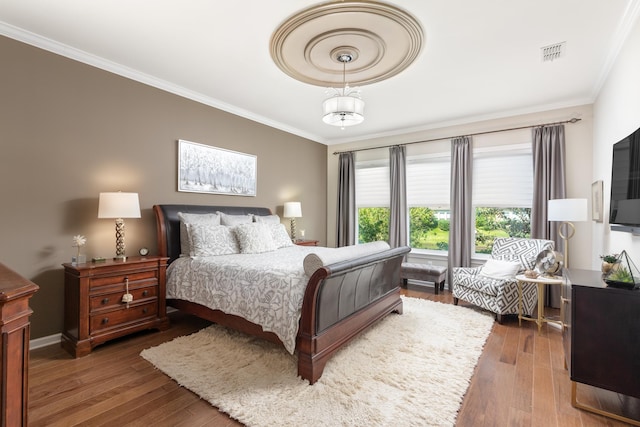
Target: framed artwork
[(596, 201), (206, 169)]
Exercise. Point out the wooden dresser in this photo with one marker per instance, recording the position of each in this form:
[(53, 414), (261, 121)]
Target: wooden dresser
[(601, 337), (94, 308), (15, 292)]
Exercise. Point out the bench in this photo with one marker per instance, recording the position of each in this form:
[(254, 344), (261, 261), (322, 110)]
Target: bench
[(425, 272)]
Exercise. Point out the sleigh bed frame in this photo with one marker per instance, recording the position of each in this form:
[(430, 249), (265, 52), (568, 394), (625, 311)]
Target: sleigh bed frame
[(341, 300)]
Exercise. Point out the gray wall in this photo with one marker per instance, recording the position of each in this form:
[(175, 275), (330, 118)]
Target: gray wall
[(69, 131)]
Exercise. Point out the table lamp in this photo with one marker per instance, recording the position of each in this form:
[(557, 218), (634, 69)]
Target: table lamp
[(565, 211), (293, 210), (119, 205)]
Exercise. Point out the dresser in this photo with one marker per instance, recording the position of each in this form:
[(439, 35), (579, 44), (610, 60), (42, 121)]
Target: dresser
[(601, 336), (107, 300), (15, 292)]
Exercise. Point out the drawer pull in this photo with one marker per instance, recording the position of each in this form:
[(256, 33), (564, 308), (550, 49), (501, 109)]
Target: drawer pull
[(105, 301), (145, 293), (105, 320), (145, 310), (127, 297)]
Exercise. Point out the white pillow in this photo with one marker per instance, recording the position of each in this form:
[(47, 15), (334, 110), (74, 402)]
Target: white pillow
[(280, 236), (269, 219), (191, 218), (314, 260), (254, 238), (231, 220), (499, 269), (211, 240)]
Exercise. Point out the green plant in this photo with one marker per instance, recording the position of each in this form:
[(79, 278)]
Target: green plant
[(609, 258), (621, 275)]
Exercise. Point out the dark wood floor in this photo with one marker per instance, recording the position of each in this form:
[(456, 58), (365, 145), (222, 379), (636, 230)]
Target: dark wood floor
[(520, 380)]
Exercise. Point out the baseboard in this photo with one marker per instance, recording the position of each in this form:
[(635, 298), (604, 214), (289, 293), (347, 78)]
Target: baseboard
[(45, 341)]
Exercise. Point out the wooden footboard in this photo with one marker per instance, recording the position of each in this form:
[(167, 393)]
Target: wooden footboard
[(341, 300)]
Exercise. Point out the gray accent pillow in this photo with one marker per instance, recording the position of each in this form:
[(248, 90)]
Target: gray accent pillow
[(190, 218), (254, 238), (212, 240)]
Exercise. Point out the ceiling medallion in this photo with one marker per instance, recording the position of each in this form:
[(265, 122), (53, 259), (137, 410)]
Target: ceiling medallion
[(382, 40)]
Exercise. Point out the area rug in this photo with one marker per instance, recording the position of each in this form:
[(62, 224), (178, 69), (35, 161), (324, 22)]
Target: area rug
[(407, 370)]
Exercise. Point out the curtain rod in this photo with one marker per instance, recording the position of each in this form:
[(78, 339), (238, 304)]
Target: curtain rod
[(572, 120)]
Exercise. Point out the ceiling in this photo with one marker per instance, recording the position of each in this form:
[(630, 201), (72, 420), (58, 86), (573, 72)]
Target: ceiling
[(481, 59)]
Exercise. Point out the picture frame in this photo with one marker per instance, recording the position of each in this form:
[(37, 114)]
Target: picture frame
[(206, 169), (597, 201)]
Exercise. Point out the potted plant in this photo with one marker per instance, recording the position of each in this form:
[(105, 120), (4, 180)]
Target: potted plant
[(609, 262), (625, 274)]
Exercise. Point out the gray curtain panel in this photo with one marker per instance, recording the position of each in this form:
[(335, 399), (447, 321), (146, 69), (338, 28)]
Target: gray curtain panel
[(398, 202), (346, 221), (548, 184), (461, 229)]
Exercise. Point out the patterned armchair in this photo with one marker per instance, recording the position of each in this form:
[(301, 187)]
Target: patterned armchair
[(500, 296)]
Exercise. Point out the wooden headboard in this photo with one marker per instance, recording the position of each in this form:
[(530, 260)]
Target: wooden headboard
[(168, 223)]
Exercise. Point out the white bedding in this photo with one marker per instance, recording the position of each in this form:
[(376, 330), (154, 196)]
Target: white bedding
[(266, 289)]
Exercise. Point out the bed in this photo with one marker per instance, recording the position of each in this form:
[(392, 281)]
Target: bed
[(339, 301)]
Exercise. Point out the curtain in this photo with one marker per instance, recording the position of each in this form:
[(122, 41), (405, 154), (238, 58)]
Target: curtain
[(548, 184), (461, 228), (346, 220), (398, 199)]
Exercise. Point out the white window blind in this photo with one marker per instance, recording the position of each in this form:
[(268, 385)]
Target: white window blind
[(372, 185), (503, 178), (428, 182)]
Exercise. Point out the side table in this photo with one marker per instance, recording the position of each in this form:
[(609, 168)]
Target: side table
[(303, 242), (541, 281)]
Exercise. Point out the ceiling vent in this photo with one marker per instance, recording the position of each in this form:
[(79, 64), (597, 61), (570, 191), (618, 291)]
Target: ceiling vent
[(554, 51)]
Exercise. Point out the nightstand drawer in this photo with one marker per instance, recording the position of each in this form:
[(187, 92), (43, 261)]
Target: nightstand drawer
[(135, 278), (111, 319), (109, 300)]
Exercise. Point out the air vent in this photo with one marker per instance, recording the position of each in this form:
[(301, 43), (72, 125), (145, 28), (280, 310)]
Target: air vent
[(554, 51)]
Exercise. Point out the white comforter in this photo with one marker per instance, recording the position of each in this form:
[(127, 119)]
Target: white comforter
[(266, 289)]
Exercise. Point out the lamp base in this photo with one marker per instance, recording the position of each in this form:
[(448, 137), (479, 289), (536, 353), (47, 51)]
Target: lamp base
[(120, 258)]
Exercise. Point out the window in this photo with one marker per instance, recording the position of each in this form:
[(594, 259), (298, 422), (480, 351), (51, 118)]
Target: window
[(372, 200), (428, 200), (502, 193)]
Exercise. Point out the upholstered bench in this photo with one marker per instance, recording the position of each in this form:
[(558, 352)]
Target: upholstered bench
[(424, 272)]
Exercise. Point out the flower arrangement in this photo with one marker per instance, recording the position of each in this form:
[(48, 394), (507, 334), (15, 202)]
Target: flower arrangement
[(78, 242)]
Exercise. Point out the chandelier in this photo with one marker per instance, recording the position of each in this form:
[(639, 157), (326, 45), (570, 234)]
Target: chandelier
[(344, 107)]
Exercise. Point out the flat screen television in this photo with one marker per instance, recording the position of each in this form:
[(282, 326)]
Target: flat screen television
[(624, 211)]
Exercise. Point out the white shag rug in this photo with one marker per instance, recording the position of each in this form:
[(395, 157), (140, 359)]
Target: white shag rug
[(406, 370)]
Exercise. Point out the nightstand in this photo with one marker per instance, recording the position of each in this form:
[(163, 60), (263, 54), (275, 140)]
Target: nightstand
[(94, 309), (303, 242)]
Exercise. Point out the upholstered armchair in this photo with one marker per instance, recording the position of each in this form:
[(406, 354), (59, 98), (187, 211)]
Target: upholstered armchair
[(493, 286)]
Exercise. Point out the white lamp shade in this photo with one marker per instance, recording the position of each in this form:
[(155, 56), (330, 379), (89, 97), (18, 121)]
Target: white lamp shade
[(567, 210), (292, 210), (119, 205), (343, 111)]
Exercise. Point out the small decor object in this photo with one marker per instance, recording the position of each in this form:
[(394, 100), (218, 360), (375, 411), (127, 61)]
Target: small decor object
[(596, 201), (78, 242), (609, 262), (530, 274), (548, 263), (206, 169), (625, 275)]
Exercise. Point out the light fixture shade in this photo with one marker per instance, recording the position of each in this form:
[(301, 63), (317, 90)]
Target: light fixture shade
[(567, 210), (119, 205), (343, 111), (292, 210)]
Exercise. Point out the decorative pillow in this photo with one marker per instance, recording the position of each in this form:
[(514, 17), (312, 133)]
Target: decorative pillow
[(254, 238), (280, 236), (314, 261), (190, 218), (499, 269), (269, 219), (231, 220), (211, 240)]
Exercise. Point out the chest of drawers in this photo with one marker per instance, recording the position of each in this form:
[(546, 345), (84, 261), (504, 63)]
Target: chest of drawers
[(95, 310)]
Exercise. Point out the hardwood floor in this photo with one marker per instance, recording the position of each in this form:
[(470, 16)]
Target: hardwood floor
[(520, 380)]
